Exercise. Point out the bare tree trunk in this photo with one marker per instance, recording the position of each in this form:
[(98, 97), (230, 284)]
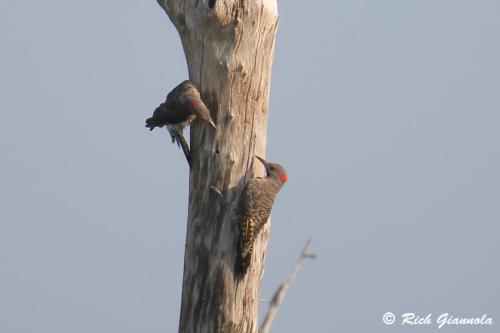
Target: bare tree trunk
[(229, 46)]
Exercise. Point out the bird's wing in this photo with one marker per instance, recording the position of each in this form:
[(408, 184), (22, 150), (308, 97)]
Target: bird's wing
[(250, 229), (165, 113), (180, 89), (256, 208)]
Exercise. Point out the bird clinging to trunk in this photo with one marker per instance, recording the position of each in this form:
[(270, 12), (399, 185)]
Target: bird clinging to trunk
[(182, 106), (255, 206)]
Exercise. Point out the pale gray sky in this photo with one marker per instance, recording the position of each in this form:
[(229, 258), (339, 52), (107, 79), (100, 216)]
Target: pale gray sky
[(395, 176)]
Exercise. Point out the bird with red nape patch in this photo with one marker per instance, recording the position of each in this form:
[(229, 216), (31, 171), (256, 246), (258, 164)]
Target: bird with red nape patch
[(256, 202), (182, 106)]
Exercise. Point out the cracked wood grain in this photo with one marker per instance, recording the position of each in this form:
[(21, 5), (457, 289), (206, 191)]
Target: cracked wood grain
[(229, 48)]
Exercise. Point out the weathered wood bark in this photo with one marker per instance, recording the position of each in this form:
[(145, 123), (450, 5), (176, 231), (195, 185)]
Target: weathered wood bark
[(229, 46)]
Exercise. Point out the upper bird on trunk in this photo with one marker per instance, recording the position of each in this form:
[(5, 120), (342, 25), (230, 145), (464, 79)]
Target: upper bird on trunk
[(182, 106)]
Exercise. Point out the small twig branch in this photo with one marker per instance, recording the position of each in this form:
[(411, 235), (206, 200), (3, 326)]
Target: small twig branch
[(282, 289)]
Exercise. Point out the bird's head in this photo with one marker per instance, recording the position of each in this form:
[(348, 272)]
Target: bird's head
[(274, 171)]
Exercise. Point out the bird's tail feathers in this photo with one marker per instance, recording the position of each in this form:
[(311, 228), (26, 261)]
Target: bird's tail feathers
[(151, 123), (242, 264)]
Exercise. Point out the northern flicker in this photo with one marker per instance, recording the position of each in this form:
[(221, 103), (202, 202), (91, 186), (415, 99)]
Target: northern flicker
[(255, 206), (182, 106)]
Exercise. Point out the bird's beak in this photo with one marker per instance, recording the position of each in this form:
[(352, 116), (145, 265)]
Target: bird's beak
[(211, 122), (203, 112), (263, 161)]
